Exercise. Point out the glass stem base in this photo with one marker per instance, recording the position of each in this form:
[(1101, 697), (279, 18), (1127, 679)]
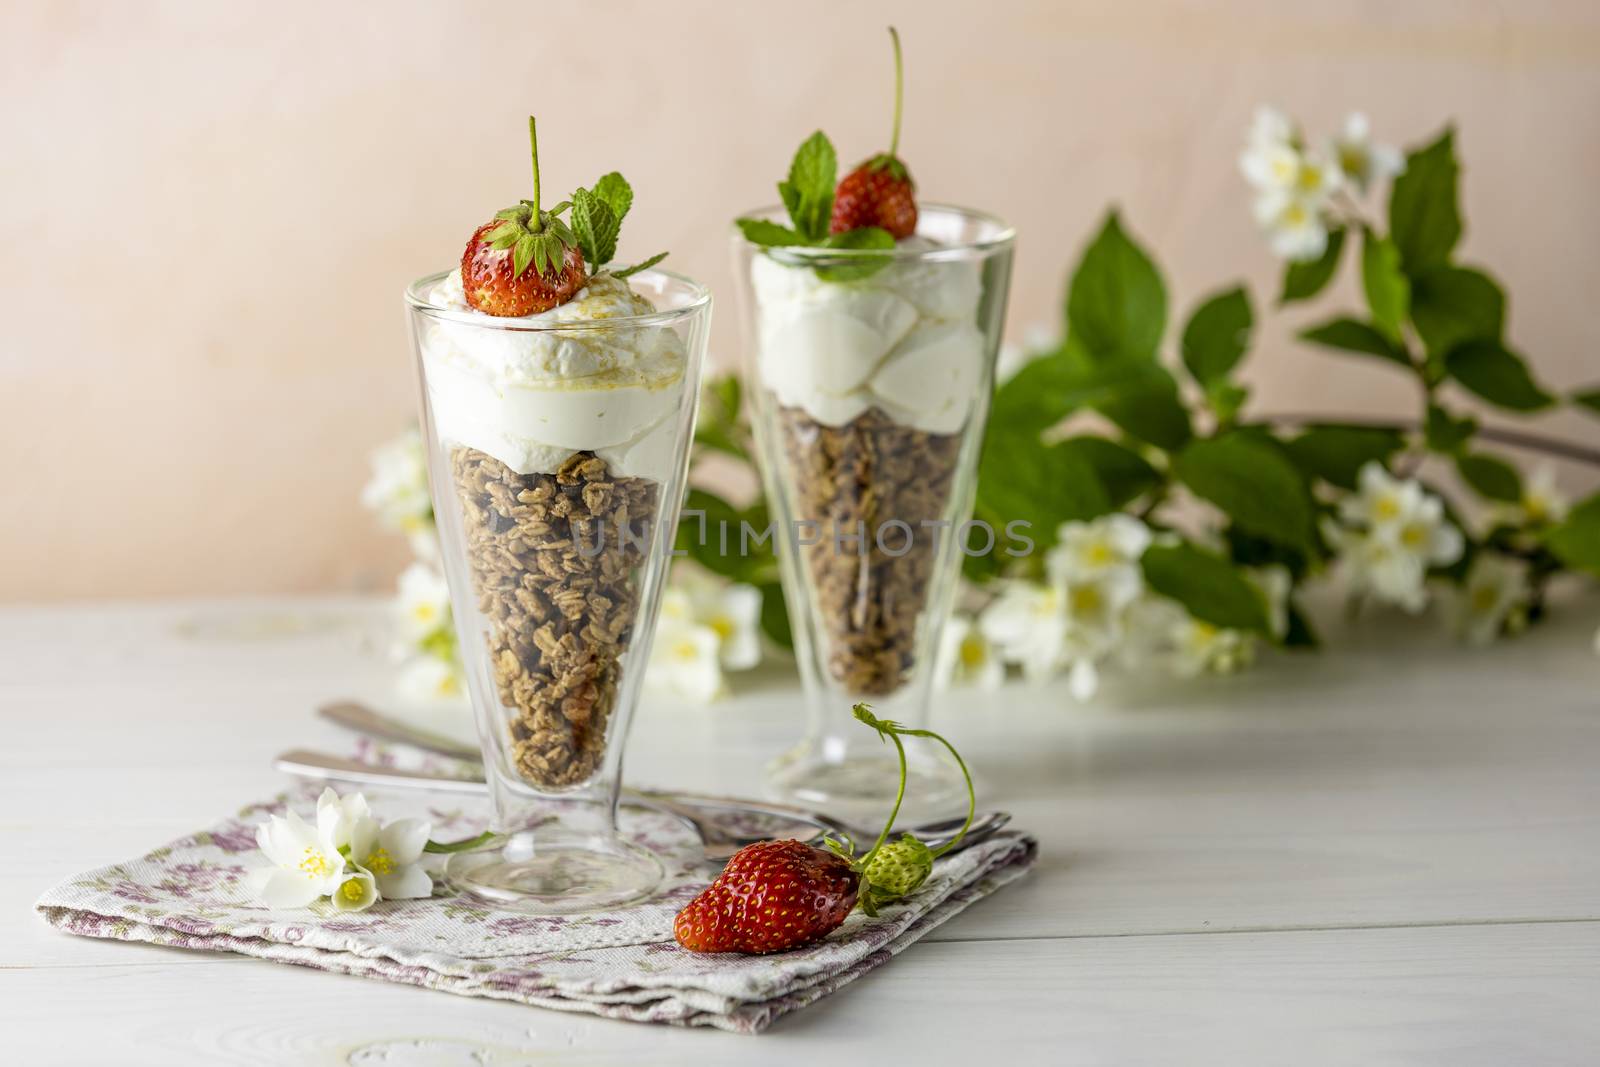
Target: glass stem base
[(858, 784), (557, 873)]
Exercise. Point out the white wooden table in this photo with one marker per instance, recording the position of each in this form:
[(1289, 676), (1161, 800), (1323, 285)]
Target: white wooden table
[(1386, 854)]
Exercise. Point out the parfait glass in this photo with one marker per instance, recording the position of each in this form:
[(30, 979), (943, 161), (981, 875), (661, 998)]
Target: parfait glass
[(555, 537), (870, 374)]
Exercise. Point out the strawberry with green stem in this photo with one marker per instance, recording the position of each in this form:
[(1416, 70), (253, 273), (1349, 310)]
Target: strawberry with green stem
[(777, 895), (880, 191), (495, 268)]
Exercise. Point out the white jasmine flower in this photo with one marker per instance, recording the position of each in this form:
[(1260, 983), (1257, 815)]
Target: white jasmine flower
[(358, 891), (733, 612), (1083, 680), (427, 679), (966, 658), (1382, 503), (1379, 565), (1542, 501), (684, 661), (1294, 227), (1027, 624), (1090, 550), (1427, 535), (306, 863), (1496, 590), (1270, 126), (392, 856), (339, 819), (1199, 647), (1363, 161), (423, 604), (1096, 610), (398, 488)]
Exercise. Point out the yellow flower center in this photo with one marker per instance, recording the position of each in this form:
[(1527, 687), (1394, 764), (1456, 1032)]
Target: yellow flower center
[(424, 612), (1101, 554), (972, 652), (1294, 215), (379, 861), (1536, 508), (353, 890), (1352, 160), (314, 862), (1085, 600), (1385, 507), (1483, 599), (722, 625), (1309, 179), (686, 650), (1414, 536)]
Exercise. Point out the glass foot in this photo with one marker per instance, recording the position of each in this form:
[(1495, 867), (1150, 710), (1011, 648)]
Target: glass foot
[(557, 874), (860, 785)]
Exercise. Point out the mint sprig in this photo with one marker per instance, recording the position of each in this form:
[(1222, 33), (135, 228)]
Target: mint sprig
[(807, 195)]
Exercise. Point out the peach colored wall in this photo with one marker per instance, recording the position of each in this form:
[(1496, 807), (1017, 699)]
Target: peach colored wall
[(208, 210)]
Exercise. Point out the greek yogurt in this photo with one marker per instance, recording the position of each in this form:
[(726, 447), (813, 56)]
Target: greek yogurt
[(904, 340), (531, 395)]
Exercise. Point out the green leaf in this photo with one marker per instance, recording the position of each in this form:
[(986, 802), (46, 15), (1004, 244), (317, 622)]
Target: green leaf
[(1051, 387), (1302, 281), (1255, 484), (1497, 374), (1150, 409), (1352, 335), (770, 234), (1300, 634), (1116, 303), (1589, 398), (1225, 399), (1424, 218), (1388, 291), (614, 189), (808, 191), (1452, 305), (437, 848), (1123, 473), (1490, 476), (1209, 587), (863, 239), (1217, 336), (711, 538), (1337, 453), (596, 226), (628, 272), (1576, 542), (1443, 432), (1021, 478), (775, 615)]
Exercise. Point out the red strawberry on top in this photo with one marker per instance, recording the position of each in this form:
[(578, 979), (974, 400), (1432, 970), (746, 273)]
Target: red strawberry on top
[(880, 192), (525, 260), (772, 896)]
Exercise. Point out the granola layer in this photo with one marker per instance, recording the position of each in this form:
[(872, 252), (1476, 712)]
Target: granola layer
[(863, 477), (556, 581)]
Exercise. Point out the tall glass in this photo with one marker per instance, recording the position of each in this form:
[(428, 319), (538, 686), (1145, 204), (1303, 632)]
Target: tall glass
[(870, 374), (557, 455)]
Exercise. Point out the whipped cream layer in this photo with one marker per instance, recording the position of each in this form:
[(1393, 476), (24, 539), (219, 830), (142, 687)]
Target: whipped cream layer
[(531, 396), (904, 340)]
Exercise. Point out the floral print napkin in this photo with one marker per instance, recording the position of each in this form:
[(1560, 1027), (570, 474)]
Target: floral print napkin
[(191, 894)]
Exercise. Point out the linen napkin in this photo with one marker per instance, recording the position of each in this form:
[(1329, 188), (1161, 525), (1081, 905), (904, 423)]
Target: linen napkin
[(625, 965)]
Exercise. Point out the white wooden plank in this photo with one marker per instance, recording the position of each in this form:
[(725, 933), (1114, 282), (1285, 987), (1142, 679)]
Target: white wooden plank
[(1461, 996)]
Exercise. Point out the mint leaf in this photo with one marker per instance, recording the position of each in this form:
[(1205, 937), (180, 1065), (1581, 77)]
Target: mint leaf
[(1388, 292), (1451, 305), (1116, 302), (1209, 587), (1424, 217), (1302, 281), (1255, 484), (770, 234), (1497, 374), (614, 189), (1352, 335), (1337, 453), (866, 238), (1217, 335), (808, 191), (1443, 432), (1576, 542), (1490, 476), (596, 226), (628, 272)]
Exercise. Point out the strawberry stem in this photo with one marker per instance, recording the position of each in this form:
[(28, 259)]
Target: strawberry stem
[(893, 731), (535, 221), (894, 138)]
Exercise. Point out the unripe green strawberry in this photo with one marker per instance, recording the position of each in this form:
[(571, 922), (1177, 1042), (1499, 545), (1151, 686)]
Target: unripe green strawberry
[(898, 868)]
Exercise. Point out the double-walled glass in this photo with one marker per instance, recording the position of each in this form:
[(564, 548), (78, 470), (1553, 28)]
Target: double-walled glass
[(557, 455), (870, 374)]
